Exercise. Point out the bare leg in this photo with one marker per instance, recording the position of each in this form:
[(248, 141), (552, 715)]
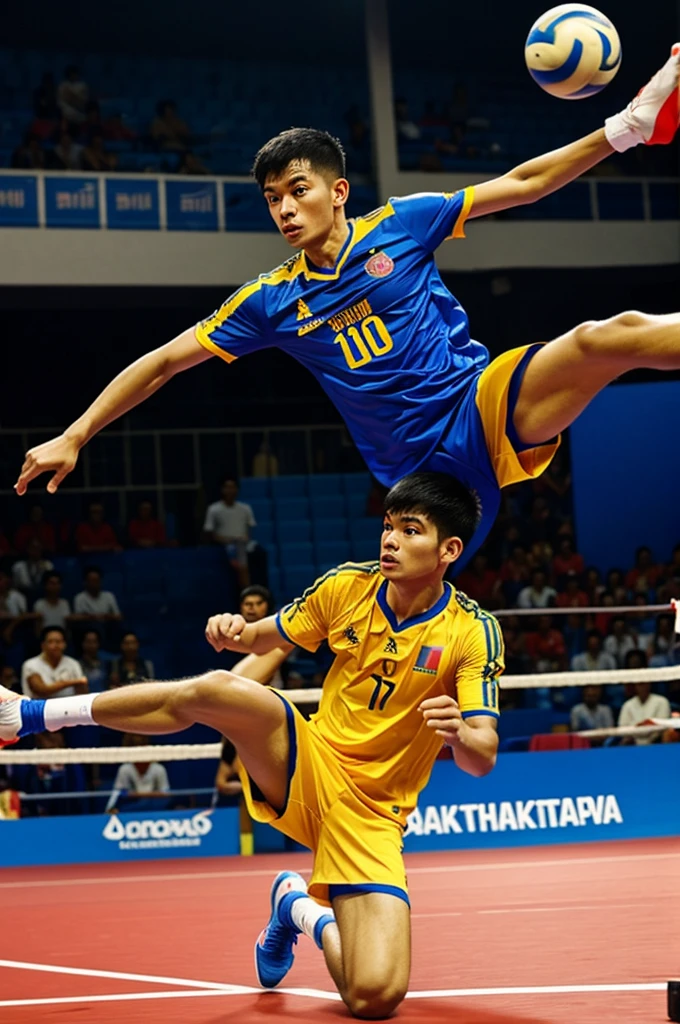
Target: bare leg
[(368, 952), (567, 373), (253, 718)]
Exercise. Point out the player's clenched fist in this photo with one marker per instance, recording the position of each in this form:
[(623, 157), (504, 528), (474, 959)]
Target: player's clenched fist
[(443, 715), (224, 631)]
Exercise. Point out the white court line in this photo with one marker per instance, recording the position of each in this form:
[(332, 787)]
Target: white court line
[(633, 858), (561, 908), (154, 979), (313, 993)]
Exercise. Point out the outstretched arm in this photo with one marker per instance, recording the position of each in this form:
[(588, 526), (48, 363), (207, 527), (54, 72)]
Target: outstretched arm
[(651, 118), (232, 633), (136, 383)]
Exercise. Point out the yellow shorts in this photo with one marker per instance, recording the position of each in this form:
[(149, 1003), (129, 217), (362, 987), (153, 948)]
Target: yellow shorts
[(496, 393), (355, 848)]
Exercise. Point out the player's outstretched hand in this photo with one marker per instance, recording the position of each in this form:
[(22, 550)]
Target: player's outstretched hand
[(60, 454), (443, 715), (224, 631), (654, 115)]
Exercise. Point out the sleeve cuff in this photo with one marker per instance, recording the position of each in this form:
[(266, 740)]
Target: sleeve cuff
[(203, 339), (459, 226), (279, 626), (478, 714)]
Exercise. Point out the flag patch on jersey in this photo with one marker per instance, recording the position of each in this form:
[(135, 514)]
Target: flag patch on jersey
[(428, 660)]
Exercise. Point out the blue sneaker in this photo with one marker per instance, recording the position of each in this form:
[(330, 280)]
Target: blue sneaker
[(274, 948)]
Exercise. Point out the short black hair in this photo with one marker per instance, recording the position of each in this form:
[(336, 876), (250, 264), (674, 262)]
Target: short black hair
[(454, 510), (91, 568), (257, 590), (50, 574), (51, 629), (321, 149)]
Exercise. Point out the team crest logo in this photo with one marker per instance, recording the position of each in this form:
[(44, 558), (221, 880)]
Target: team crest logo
[(428, 660), (303, 310), (379, 265)]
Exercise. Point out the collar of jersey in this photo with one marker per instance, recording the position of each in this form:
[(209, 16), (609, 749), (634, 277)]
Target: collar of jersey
[(415, 620), (314, 273)]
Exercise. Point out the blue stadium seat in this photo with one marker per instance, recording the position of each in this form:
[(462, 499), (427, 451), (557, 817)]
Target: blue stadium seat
[(289, 487), (365, 528), (263, 508), (296, 553), (365, 550), (254, 488), (286, 509), (329, 529), (293, 530), (357, 483), (325, 485), (356, 505), (296, 580), (263, 533), (331, 553), (330, 507)]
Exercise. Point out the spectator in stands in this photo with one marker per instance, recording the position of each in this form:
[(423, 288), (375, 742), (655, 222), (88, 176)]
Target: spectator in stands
[(555, 486), (227, 781), (96, 664), (574, 633), (67, 155), (191, 164), (615, 581), (572, 596), (513, 575), (538, 594), (116, 130), (673, 568), (52, 778), (661, 643), (52, 672), (517, 661), (130, 667), (45, 98), (265, 462), (9, 678), (593, 585), (642, 706), (29, 154), (145, 785), (53, 609), (645, 574), (566, 562), (591, 713), (593, 659), (27, 574), (478, 581), (540, 556), (644, 622), (228, 522), (37, 526), (357, 127), (168, 130), (13, 609), (96, 606), (95, 155), (95, 534), (72, 96), (545, 646), (145, 531), (621, 640), (407, 129), (603, 619)]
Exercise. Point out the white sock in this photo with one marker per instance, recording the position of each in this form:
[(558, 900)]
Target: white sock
[(310, 917), (61, 711)]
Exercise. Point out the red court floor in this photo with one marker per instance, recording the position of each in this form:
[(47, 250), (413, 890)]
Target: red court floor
[(541, 936)]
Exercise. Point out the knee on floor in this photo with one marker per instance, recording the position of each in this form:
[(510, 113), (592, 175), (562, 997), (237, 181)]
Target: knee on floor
[(374, 1001)]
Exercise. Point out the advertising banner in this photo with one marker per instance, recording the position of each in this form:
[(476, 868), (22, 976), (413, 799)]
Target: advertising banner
[(71, 202), (191, 205), (18, 201), (132, 203)]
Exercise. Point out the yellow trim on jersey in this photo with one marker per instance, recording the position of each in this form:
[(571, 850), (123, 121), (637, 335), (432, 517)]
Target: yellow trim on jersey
[(288, 271), (459, 226), (362, 227)]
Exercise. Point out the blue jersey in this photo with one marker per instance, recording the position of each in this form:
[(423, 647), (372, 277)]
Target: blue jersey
[(381, 333)]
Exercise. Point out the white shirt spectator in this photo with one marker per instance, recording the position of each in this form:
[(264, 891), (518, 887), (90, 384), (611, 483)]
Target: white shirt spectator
[(635, 711), (68, 668), (618, 647), (53, 614), (154, 780), (587, 663), (13, 604), (232, 521), (530, 598), (28, 575), (103, 604), (583, 717)]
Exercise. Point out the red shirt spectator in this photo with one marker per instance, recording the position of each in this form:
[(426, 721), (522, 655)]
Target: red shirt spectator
[(37, 528), (546, 646), (572, 596), (4, 544), (567, 560), (96, 534), (644, 567), (478, 581), (145, 531)]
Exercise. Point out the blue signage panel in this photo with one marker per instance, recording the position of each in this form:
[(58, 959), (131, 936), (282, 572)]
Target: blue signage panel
[(18, 200), (101, 838), (191, 205), (132, 203), (557, 797), (71, 202)]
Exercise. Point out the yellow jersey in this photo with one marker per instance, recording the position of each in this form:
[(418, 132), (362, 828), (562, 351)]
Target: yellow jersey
[(368, 715)]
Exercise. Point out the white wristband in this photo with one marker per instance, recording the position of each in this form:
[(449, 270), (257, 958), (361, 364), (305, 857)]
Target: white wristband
[(61, 711), (620, 135)]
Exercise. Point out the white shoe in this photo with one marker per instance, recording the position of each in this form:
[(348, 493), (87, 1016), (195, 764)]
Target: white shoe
[(10, 716)]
